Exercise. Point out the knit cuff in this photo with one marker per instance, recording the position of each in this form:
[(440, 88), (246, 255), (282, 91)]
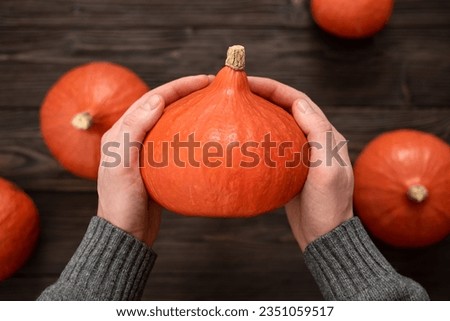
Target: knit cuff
[(345, 262), (109, 264)]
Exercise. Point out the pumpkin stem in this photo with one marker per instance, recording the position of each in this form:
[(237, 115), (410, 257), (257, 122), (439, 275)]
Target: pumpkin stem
[(82, 121), (417, 193), (236, 57)]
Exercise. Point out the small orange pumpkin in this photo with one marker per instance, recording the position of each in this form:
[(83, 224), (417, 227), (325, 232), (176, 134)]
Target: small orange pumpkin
[(352, 18), (402, 188), (80, 107), (211, 179), (19, 228)]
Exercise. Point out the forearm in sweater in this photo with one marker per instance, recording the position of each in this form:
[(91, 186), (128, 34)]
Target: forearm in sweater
[(347, 266), (109, 264)]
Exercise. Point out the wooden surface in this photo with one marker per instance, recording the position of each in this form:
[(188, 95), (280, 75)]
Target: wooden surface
[(400, 78)]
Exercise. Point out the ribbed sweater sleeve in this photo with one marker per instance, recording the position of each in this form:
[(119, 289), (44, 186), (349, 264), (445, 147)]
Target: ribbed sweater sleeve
[(109, 264), (347, 266)]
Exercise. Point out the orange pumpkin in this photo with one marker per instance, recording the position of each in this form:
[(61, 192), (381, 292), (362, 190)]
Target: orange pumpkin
[(211, 178), (19, 228), (352, 18), (402, 188), (80, 107)]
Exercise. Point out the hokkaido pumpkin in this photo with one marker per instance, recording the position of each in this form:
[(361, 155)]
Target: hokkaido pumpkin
[(402, 188), (19, 228), (227, 171), (352, 18), (80, 107)]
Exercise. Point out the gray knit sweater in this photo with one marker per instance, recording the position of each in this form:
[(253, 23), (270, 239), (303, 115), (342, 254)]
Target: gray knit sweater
[(110, 264)]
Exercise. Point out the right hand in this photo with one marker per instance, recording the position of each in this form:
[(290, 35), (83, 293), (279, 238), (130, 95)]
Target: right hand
[(325, 201)]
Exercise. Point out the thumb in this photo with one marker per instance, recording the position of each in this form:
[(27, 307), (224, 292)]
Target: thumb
[(310, 118), (142, 117), (316, 126)]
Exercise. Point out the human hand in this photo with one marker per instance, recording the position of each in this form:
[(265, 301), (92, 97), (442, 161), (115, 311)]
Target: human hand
[(326, 198), (123, 199)]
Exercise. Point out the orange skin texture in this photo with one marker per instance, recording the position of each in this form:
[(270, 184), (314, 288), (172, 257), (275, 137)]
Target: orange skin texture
[(224, 112), (19, 228), (103, 89), (385, 170), (353, 19)]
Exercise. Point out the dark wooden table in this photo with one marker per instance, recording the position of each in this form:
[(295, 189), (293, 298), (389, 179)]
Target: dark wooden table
[(400, 78)]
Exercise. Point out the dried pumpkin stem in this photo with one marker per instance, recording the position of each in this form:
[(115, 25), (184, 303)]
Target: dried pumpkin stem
[(417, 193), (236, 57), (82, 121)]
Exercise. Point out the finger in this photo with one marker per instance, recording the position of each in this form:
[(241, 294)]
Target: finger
[(343, 152), (181, 87), (339, 137), (277, 92), (316, 127), (321, 134), (177, 89), (142, 118), (274, 91), (311, 119), (170, 92)]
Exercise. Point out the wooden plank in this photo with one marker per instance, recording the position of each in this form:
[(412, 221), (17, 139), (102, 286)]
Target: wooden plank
[(395, 80), (25, 159), (156, 13), (29, 164), (418, 13), (421, 264), (361, 124), (399, 68), (24, 289), (244, 258), (425, 79), (191, 286), (207, 259), (239, 259), (195, 13), (64, 218)]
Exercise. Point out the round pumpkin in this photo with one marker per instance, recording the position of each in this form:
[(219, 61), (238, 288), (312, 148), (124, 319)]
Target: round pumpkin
[(226, 171), (19, 228), (352, 19), (402, 188), (80, 107)]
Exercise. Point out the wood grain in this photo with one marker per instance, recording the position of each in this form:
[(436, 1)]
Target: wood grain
[(385, 71), (398, 79), (25, 159), (205, 259), (239, 258), (196, 13)]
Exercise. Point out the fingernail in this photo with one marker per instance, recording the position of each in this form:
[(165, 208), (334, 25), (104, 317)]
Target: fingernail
[(303, 106), (152, 103)]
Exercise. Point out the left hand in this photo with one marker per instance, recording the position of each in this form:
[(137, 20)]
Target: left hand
[(123, 199)]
